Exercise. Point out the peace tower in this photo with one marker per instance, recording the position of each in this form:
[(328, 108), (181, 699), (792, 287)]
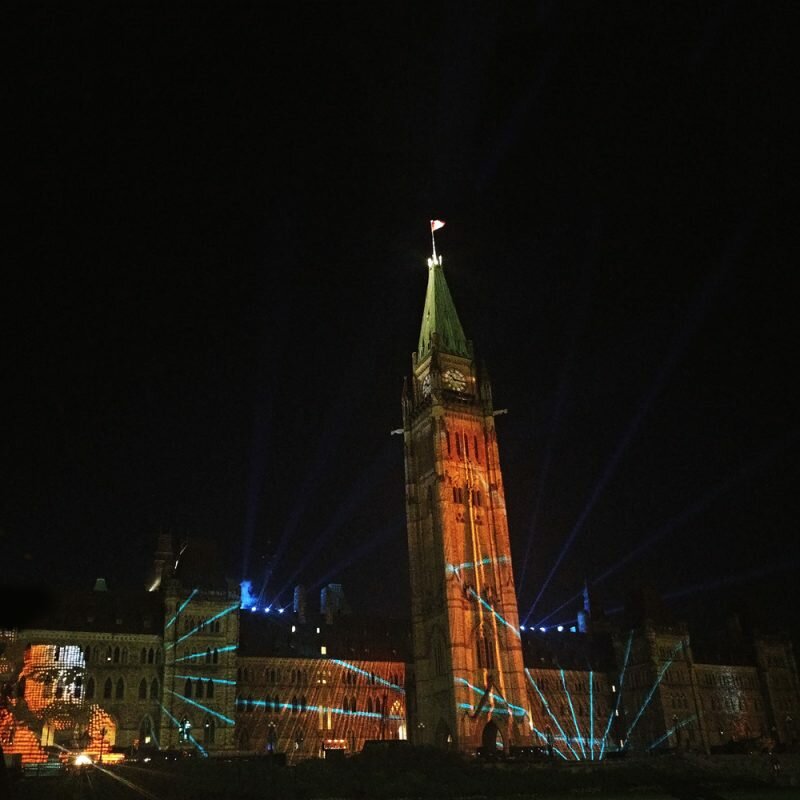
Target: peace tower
[(470, 685)]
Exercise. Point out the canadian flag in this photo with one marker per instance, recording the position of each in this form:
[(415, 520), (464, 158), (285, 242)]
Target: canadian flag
[(436, 224)]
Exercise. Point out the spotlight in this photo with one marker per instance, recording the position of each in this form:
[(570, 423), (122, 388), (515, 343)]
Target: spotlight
[(543, 630), (560, 628), (522, 627), (253, 608), (280, 611)]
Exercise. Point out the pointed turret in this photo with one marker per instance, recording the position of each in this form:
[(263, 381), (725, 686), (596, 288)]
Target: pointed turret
[(439, 318)]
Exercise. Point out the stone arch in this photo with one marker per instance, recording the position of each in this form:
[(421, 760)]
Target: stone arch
[(492, 739)]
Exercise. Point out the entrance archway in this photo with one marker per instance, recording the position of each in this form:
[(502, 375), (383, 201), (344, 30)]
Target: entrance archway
[(492, 739)]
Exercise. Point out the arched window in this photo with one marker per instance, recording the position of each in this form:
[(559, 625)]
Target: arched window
[(143, 689), (215, 656), (485, 648), (116, 655), (90, 689), (208, 655), (158, 655), (276, 702), (294, 704), (353, 706), (369, 705), (143, 656), (187, 688), (124, 655), (239, 702), (150, 656), (210, 688), (154, 689), (120, 693), (108, 688), (109, 653), (303, 703)]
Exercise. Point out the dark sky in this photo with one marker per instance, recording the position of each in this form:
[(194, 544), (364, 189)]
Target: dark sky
[(215, 274)]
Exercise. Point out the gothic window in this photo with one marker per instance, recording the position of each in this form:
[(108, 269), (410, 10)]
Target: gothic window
[(485, 652), (303, 703), (108, 688), (78, 686), (143, 656), (294, 704), (447, 435), (215, 656), (477, 453), (116, 655), (239, 703), (124, 655), (143, 689), (466, 445), (150, 656), (120, 693), (208, 655), (353, 706), (90, 689), (210, 688), (154, 689), (369, 705), (458, 444), (187, 688)]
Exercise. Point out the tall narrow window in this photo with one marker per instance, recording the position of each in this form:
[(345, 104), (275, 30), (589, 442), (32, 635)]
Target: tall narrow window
[(108, 688), (447, 435), (154, 689), (143, 689), (90, 689), (209, 688), (120, 693), (458, 444), (187, 687), (477, 452)]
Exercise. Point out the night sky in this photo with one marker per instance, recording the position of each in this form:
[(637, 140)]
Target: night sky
[(215, 273)]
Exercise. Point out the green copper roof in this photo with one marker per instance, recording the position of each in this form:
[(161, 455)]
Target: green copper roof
[(440, 317)]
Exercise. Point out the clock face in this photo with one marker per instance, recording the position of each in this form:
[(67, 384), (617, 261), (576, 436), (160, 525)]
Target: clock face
[(426, 385), (455, 380)]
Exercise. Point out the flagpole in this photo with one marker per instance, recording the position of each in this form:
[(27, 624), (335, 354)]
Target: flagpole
[(433, 241)]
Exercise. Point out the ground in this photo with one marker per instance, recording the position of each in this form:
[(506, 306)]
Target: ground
[(428, 775)]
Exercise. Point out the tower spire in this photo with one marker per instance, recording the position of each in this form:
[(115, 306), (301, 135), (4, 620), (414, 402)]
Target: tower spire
[(439, 317)]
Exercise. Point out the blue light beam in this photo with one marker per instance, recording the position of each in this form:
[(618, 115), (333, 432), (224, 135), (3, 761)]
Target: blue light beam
[(547, 708), (619, 695), (202, 624), (572, 711), (181, 607), (652, 691), (208, 710)]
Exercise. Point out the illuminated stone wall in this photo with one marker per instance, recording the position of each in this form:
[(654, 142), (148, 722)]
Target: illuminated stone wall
[(305, 706)]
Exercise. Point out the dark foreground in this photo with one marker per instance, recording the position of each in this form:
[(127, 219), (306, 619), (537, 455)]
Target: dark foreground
[(426, 774)]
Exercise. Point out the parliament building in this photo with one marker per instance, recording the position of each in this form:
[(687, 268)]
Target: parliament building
[(183, 665)]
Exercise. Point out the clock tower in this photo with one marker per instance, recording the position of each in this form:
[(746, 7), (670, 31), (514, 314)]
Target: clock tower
[(470, 685)]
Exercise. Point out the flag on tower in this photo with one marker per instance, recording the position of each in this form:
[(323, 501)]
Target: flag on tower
[(436, 224)]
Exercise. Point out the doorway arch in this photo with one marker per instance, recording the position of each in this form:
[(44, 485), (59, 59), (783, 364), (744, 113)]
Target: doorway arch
[(492, 739)]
